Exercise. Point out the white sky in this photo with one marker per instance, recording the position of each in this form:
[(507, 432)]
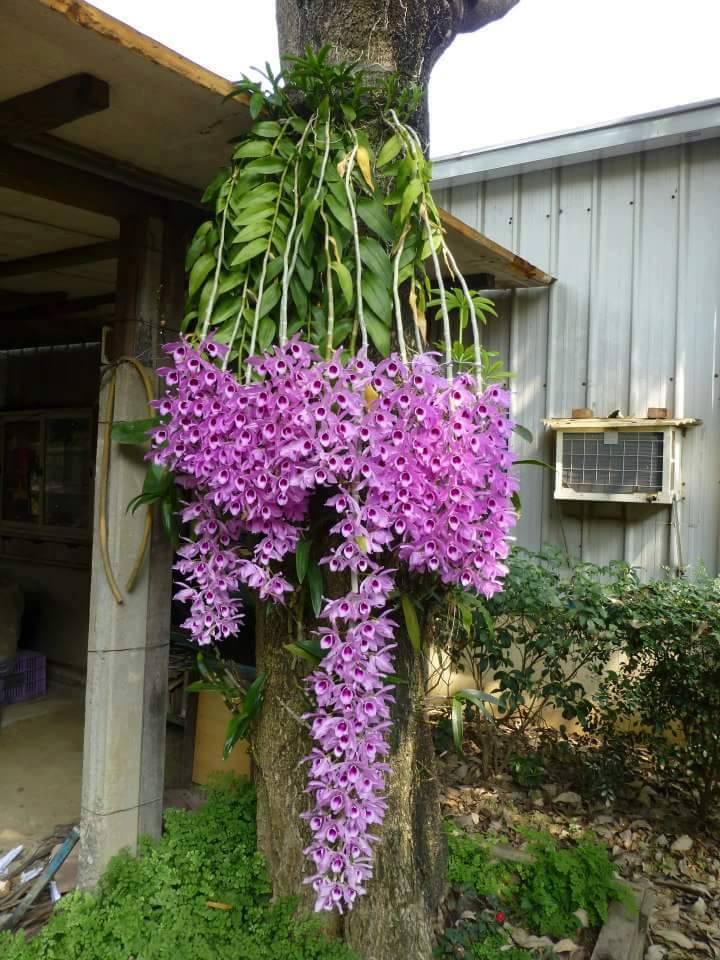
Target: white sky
[(548, 65)]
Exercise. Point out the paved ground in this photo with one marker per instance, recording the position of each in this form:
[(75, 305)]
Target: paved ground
[(40, 766)]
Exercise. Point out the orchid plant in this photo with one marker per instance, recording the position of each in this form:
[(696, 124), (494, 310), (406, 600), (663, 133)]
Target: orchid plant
[(284, 389)]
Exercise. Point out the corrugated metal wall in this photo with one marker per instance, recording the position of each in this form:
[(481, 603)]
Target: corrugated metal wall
[(631, 322)]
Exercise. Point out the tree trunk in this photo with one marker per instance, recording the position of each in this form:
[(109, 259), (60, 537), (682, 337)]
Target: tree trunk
[(403, 36), (395, 918)]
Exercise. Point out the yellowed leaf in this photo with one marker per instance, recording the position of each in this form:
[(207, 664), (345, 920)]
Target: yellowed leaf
[(217, 905), (418, 315), (363, 161), (371, 395)]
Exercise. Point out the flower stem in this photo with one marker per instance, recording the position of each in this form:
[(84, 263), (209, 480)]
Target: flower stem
[(356, 240)]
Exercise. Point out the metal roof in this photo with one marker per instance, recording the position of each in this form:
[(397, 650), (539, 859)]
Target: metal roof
[(649, 131)]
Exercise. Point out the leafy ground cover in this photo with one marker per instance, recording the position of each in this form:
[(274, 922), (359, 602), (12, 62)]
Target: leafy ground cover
[(504, 791), (200, 893)]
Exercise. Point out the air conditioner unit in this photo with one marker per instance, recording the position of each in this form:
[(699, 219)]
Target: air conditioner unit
[(627, 460)]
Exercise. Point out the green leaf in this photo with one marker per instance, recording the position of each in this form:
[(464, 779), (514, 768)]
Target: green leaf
[(377, 296), (259, 228), (197, 245), (267, 190), (270, 299), (214, 186), (346, 282), (157, 480), (411, 193), (309, 216), (478, 698), (379, 334), (376, 258), (266, 128), (223, 309), (299, 297), (339, 211), (249, 250), (258, 210), (236, 728), (257, 102), (201, 268), (231, 281), (396, 679), (411, 622), (266, 333), (204, 686), (390, 149), (348, 112), (252, 149), (170, 521), (306, 274), (302, 558), (253, 697), (457, 724), (516, 502), (309, 650), (534, 463), (523, 432), (266, 165), (133, 431), (315, 585), (373, 215)]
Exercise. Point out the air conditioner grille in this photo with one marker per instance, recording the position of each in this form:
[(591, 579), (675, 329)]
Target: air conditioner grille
[(613, 462)]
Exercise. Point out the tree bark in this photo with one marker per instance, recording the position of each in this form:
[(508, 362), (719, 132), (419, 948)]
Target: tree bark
[(395, 918)]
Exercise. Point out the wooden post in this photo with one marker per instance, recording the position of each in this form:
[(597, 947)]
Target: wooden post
[(126, 708)]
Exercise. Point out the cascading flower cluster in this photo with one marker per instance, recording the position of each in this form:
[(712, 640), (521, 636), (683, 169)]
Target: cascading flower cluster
[(417, 470)]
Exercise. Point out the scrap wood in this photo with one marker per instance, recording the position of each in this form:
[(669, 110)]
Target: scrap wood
[(13, 920), (7, 858)]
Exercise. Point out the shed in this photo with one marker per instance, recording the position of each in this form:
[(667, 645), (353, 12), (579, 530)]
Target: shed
[(107, 140), (625, 216)]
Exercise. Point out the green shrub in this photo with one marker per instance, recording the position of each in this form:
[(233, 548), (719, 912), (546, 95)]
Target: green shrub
[(155, 906), (530, 643), (668, 691), (543, 895)]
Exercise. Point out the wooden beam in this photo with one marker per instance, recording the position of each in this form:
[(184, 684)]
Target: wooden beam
[(58, 259), (28, 172), (46, 333), (68, 308), (52, 106), (186, 199), (476, 253), (12, 299)]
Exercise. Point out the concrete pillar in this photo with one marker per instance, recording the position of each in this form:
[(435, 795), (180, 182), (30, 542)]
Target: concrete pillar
[(126, 705)]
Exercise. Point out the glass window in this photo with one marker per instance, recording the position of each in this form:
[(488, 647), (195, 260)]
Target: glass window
[(22, 473), (67, 472), (47, 471)]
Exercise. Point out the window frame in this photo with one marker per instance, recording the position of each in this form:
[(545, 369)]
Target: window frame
[(43, 530)]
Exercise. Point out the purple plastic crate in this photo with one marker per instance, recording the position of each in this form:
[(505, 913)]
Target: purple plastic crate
[(27, 678)]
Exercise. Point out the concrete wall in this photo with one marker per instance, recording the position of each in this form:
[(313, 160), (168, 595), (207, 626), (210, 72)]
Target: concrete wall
[(633, 321)]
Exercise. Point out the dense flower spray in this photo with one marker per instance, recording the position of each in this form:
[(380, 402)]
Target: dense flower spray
[(417, 471)]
